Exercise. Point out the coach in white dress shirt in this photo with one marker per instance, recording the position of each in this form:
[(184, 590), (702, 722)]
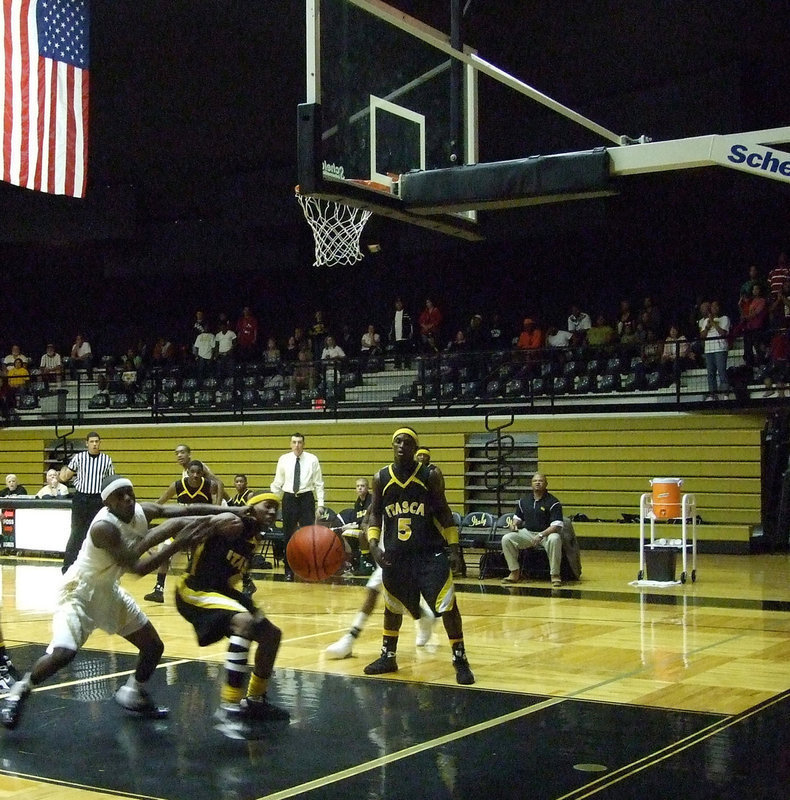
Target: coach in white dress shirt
[(301, 489)]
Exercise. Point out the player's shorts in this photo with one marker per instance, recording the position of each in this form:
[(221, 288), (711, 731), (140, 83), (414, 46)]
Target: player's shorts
[(210, 611), (414, 574), (82, 608)]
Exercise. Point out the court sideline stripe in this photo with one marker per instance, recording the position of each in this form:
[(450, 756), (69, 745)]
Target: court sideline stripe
[(407, 752)]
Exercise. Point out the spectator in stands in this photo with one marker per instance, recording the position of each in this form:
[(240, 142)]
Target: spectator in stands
[(291, 353), (754, 324), (579, 323), (13, 488), (776, 371), (225, 350), (624, 316), (476, 339), (713, 330), (303, 374), (203, 349), (370, 343), (271, 357), (531, 337), (163, 354), (628, 341), (649, 358), (51, 366), (199, 325), (430, 321), (651, 316), (81, 357), (299, 337), (779, 307), (496, 337), (601, 335), (16, 352), (676, 354), (317, 333), (53, 488), (745, 294), (457, 344), (400, 334), (332, 352), (18, 376), (247, 335), (557, 339), (348, 341), (779, 274), (432, 346), (698, 344)]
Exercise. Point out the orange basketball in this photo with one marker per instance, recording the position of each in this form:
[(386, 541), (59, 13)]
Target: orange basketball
[(315, 552)]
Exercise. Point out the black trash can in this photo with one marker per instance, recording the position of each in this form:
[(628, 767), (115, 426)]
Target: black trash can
[(660, 563)]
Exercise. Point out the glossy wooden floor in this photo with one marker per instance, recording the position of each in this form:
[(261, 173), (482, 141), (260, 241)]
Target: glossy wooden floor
[(598, 689)]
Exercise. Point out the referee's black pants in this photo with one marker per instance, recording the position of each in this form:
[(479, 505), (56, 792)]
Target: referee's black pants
[(298, 510), (84, 508)]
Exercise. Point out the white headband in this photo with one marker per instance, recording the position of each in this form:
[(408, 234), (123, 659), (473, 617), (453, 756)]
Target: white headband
[(118, 483)]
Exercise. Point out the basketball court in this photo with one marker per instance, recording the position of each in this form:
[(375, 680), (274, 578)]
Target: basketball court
[(599, 689)]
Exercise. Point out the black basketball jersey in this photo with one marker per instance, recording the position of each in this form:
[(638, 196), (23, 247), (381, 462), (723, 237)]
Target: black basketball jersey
[(186, 495), (407, 515), (361, 507), (218, 563), (240, 499)]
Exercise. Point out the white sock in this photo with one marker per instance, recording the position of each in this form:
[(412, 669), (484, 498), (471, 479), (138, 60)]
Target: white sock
[(22, 686)]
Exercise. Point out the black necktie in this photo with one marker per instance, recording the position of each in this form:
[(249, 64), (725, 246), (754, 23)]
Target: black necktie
[(297, 470)]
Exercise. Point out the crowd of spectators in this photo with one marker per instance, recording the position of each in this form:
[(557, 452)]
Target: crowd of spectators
[(655, 339)]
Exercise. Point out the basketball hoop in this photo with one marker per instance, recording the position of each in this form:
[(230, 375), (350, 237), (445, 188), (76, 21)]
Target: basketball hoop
[(337, 228)]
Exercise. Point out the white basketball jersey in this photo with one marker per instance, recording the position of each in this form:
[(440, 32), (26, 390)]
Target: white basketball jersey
[(95, 564)]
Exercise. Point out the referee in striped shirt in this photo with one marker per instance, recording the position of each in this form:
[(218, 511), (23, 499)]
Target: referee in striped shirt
[(89, 469)]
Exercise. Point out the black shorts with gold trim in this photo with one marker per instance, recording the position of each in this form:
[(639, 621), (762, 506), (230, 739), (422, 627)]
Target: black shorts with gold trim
[(420, 573), (210, 611)]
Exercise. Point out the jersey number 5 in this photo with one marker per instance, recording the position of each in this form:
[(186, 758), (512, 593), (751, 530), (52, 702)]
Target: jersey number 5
[(404, 528)]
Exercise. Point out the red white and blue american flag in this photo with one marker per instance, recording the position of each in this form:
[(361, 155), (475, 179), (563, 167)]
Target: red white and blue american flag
[(44, 97)]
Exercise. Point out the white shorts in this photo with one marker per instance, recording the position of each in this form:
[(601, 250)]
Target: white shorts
[(376, 580), (82, 608)]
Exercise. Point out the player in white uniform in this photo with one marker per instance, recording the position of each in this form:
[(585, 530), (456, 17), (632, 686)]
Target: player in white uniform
[(90, 596)]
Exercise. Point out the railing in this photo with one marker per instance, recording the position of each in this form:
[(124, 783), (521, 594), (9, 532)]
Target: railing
[(545, 381)]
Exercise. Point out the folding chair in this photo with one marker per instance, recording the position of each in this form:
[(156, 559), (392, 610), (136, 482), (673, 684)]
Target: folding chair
[(492, 562), (473, 533)]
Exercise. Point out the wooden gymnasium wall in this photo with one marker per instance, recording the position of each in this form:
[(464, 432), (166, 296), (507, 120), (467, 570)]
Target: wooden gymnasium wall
[(597, 465)]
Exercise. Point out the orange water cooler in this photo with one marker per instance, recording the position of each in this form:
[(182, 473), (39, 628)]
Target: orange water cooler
[(666, 504)]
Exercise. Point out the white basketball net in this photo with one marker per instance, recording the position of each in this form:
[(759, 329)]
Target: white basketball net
[(336, 229)]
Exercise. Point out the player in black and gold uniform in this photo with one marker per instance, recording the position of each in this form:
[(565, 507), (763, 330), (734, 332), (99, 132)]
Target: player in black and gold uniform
[(243, 492), (241, 498), (209, 599), (409, 509), (194, 487)]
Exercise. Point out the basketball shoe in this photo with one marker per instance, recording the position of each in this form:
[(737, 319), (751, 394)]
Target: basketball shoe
[(342, 647)]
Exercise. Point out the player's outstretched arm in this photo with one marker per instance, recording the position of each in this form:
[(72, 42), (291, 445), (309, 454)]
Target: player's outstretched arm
[(181, 532), (160, 511)]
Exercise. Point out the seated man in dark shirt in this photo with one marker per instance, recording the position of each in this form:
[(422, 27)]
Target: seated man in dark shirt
[(537, 522)]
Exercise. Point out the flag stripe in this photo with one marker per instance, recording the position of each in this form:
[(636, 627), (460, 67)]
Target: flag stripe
[(44, 98)]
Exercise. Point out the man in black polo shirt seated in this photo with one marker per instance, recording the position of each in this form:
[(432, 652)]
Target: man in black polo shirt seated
[(537, 522)]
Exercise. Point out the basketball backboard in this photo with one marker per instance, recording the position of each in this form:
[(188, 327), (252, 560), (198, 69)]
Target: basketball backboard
[(385, 95), (390, 98), (390, 124)]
